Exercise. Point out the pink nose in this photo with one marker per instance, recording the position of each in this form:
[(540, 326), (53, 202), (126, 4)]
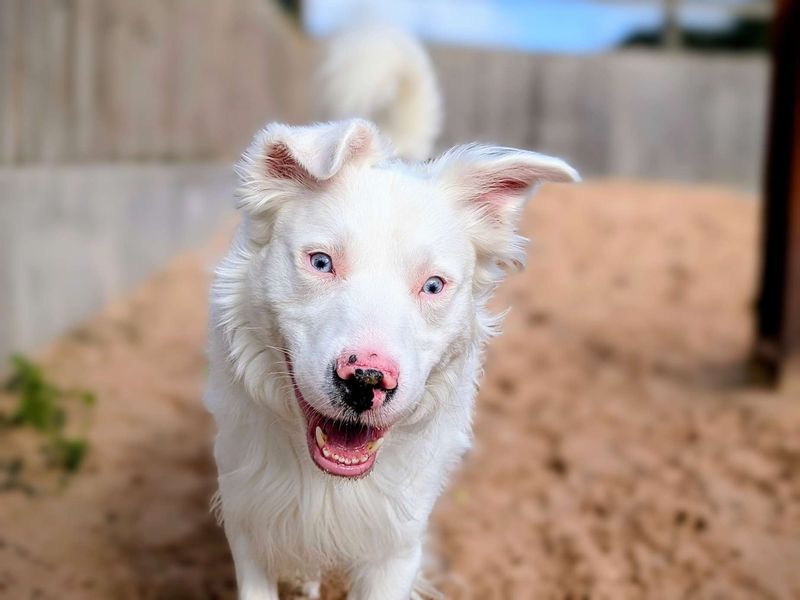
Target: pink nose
[(368, 370)]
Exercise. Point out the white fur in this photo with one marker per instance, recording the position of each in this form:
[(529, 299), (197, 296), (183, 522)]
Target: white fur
[(335, 187), (379, 72)]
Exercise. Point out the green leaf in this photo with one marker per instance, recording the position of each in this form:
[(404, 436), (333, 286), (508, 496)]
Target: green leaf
[(40, 405), (66, 453)]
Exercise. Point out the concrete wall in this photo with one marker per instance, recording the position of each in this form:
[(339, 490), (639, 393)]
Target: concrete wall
[(72, 238)]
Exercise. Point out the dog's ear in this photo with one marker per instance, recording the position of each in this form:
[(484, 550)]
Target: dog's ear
[(284, 160), (492, 184)]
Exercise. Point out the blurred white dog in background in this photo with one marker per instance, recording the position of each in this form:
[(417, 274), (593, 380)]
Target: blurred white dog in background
[(348, 323), (380, 73)]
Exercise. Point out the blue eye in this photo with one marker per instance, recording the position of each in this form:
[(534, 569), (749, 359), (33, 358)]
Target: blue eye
[(321, 262), (433, 285)]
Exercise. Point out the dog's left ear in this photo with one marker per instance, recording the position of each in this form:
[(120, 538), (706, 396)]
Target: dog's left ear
[(284, 161), (492, 184)]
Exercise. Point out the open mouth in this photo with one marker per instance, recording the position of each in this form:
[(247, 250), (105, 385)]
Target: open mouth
[(343, 448), (338, 447)]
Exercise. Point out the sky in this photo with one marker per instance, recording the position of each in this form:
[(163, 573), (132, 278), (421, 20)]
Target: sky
[(571, 26)]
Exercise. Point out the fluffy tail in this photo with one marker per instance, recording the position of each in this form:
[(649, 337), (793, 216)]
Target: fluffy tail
[(380, 73)]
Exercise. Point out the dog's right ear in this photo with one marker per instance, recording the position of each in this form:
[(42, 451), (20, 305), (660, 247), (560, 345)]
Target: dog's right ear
[(284, 160)]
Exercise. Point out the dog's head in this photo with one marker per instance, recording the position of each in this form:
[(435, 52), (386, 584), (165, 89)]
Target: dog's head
[(367, 274)]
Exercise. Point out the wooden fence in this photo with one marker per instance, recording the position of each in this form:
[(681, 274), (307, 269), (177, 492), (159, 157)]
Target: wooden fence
[(89, 80), (100, 80), (645, 114)]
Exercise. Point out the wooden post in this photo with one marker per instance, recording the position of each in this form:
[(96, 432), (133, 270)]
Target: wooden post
[(778, 322), (673, 38)]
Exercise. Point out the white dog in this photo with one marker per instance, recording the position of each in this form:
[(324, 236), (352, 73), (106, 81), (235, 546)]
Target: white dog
[(347, 327)]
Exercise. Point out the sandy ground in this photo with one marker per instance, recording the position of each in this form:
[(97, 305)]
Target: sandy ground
[(620, 451)]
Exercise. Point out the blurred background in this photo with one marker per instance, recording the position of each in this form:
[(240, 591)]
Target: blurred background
[(626, 446)]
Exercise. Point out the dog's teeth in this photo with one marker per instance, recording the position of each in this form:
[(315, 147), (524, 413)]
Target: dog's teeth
[(347, 461), (372, 447), (322, 439), (364, 458), (337, 458), (326, 453)]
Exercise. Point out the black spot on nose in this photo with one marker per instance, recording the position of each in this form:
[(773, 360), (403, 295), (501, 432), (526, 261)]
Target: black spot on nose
[(358, 390), (353, 358), (368, 377)]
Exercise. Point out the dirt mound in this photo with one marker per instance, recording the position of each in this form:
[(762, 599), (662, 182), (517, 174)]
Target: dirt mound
[(619, 453)]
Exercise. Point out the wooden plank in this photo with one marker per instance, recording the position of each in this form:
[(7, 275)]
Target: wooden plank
[(85, 83), (778, 322), (8, 89)]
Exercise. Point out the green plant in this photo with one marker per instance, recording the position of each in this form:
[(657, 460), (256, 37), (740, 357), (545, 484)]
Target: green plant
[(41, 405)]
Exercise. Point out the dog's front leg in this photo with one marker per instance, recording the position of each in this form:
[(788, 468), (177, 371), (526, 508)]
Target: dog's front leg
[(253, 581), (391, 579)]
